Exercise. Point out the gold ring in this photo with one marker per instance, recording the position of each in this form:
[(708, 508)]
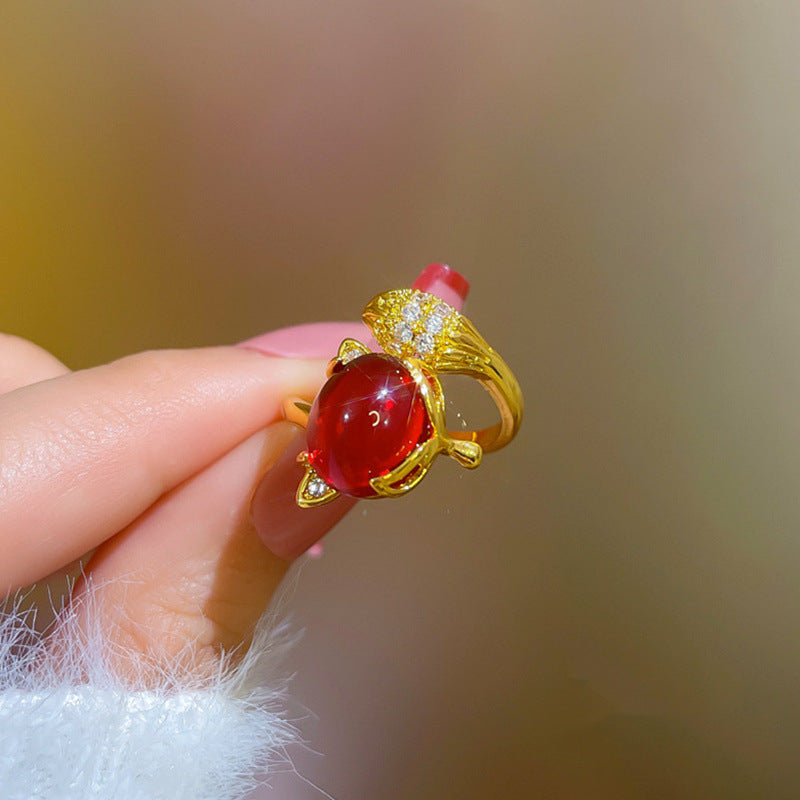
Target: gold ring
[(378, 423)]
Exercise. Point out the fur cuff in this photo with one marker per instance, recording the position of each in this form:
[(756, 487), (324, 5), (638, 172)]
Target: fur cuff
[(71, 729)]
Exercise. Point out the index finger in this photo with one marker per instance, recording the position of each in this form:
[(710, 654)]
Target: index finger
[(84, 454)]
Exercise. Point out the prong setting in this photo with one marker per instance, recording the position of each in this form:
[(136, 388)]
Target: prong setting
[(313, 491)]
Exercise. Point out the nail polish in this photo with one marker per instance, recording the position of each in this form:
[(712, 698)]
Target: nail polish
[(445, 282), (313, 340)]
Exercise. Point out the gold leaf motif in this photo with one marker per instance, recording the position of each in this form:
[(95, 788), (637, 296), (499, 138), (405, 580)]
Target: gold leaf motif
[(408, 323)]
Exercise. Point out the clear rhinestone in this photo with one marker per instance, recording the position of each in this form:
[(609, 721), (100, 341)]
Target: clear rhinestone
[(411, 313), (316, 487), (403, 333), (424, 343), (434, 325), (442, 310)]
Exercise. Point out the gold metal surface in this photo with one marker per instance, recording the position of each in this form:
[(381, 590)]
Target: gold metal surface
[(296, 410)]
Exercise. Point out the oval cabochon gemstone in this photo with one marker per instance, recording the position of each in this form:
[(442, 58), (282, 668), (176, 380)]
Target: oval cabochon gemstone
[(366, 419)]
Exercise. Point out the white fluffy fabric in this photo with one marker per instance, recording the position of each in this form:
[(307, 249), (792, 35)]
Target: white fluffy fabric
[(71, 729)]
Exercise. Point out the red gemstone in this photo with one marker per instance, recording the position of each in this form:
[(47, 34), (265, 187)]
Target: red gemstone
[(366, 419)]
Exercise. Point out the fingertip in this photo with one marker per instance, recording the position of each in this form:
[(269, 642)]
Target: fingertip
[(445, 282), (314, 340), (22, 362)]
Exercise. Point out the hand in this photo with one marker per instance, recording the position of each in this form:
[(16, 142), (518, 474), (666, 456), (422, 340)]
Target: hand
[(151, 463), (170, 476)]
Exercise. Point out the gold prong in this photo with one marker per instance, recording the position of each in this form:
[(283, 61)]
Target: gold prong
[(296, 411), (308, 494), (468, 454), (407, 475), (351, 346), (432, 396), (349, 349)]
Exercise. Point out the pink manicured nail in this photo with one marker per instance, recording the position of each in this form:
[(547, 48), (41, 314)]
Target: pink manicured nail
[(314, 340), (444, 282), (287, 530), (283, 527)]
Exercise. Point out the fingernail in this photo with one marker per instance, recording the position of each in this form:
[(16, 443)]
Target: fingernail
[(314, 340), (285, 528), (444, 282)]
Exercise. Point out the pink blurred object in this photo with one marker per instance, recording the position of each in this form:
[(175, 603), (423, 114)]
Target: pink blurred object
[(445, 282), (312, 340)]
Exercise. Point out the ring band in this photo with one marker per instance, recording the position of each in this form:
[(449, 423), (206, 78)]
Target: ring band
[(378, 424)]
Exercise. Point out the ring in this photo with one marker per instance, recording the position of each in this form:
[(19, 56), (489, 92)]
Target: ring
[(378, 423)]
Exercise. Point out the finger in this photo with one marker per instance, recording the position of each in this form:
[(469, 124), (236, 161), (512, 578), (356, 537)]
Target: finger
[(287, 530), (192, 570), (300, 340), (83, 455), (191, 577), (23, 362), (445, 282)]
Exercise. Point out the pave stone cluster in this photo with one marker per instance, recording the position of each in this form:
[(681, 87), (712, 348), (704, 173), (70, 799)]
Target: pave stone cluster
[(416, 324)]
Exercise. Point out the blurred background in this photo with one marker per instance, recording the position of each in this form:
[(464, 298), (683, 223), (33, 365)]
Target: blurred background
[(610, 607)]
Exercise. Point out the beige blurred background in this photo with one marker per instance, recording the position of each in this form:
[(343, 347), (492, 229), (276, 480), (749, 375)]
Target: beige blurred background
[(610, 607)]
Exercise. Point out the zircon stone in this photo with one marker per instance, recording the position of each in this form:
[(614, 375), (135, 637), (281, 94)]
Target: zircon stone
[(366, 420), (351, 355), (411, 313), (425, 343), (434, 325), (442, 310), (403, 333), (317, 487)]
